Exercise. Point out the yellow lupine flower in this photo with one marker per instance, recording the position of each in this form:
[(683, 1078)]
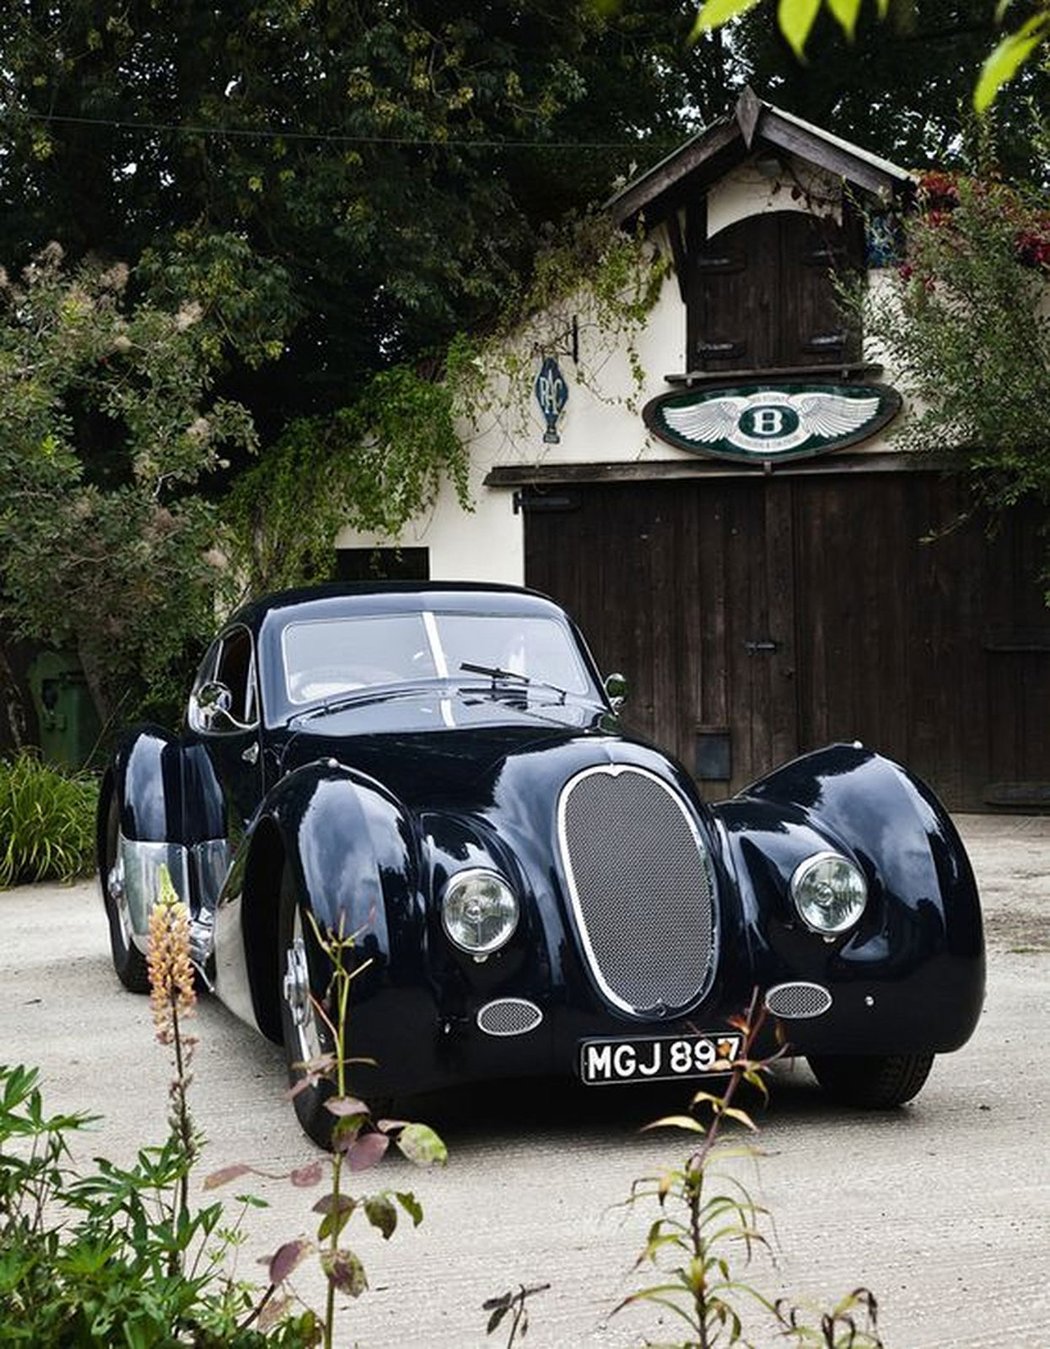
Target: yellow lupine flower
[(172, 994)]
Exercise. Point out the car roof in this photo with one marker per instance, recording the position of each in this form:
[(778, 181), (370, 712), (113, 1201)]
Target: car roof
[(327, 601)]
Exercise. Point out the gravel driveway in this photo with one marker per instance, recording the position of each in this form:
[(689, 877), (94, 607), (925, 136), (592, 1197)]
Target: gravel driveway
[(942, 1208)]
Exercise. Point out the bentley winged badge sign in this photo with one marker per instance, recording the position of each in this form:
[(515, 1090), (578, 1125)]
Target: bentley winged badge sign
[(765, 423)]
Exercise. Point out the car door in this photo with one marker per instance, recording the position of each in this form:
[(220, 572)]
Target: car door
[(224, 717)]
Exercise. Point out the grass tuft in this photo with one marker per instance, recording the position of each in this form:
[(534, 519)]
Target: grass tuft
[(47, 821)]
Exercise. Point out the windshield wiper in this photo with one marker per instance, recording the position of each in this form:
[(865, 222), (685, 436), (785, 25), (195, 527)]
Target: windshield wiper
[(499, 676), (372, 693)]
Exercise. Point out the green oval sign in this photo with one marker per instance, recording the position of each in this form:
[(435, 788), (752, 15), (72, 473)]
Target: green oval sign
[(766, 422)]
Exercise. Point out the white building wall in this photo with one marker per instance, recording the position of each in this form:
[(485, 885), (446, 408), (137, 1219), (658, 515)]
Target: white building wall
[(771, 183), (597, 424)]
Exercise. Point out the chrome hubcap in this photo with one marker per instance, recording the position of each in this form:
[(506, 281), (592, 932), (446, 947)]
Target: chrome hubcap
[(297, 994), (297, 982), (118, 895)]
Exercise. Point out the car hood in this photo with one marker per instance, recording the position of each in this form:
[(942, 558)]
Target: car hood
[(442, 747)]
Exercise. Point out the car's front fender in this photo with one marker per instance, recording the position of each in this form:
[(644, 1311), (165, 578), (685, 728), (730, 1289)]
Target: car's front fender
[(344, 849), (913, 968)]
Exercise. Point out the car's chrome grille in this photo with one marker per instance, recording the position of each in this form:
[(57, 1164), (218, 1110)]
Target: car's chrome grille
[(640, 887)]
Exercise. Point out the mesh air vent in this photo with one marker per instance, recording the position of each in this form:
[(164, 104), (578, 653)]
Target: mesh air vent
[(796, 1001), (509, 1016)]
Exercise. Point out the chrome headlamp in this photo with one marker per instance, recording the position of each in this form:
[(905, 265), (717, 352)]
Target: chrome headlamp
[(479, 911), (829, 892)]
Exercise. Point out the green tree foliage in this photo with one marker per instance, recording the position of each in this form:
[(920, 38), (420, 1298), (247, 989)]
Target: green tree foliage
[(108, 426), (797, 20), (387, 165), (337, 189), (966, 326), (867, 87)]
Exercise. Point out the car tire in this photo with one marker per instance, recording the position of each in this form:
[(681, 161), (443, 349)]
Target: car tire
[(304, 1031), (128, 960), (871, 1082)]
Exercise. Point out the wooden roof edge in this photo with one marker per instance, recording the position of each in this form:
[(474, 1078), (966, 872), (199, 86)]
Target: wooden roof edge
[(754, 120), (663, 177), (700, 466)]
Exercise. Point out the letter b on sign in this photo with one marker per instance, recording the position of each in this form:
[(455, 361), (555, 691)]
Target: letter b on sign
[(769, 422)]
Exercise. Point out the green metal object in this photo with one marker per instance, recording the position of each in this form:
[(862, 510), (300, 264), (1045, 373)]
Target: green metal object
[(65, 711)]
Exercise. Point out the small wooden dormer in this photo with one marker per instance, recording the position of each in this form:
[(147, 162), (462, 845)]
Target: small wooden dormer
[(760, 291)]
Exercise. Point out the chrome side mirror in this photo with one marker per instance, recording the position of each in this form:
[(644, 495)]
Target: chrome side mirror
[(210, 707), (615, 690)]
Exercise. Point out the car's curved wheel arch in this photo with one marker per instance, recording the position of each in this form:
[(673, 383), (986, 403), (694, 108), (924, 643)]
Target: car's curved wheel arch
[(260, 921), (107, 788)]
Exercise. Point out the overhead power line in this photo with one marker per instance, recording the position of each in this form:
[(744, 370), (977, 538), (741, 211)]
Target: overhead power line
[(337, 138)]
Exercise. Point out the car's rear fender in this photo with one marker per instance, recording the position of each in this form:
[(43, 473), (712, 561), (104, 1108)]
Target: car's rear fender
[(170, 812)]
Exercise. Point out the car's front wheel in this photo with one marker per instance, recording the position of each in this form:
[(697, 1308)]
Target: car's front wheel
[(307, 1036), (128, 960), (871, 1081)]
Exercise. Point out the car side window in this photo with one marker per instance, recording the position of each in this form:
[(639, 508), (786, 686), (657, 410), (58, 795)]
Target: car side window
[(236, 670)]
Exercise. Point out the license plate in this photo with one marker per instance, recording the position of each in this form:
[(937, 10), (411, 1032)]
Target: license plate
[(659, 1058)]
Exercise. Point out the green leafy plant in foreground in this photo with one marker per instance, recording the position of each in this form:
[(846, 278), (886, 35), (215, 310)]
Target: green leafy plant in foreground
[(47, 821), (796, 20), (512, 1304), (109, 1258), (359, 1142), (708, 1221), (123, 1256)]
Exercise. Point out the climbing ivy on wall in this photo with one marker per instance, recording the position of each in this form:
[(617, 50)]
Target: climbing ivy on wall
[(373, 466), (380, 462), (592, 281)]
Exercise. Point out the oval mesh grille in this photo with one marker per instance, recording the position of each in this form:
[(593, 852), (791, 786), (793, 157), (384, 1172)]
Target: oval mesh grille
[(640, 888), (797, 1001), (509, 1016)]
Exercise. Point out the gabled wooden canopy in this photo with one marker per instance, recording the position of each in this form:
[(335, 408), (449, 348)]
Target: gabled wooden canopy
[(753, 126)]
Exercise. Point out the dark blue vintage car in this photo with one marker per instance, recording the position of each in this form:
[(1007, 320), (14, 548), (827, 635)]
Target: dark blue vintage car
[(440, 769)]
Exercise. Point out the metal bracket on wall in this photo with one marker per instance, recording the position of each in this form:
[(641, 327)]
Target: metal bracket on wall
[(535, 500)]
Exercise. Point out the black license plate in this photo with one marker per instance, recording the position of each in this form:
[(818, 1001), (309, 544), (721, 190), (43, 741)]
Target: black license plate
[(658, 1058)]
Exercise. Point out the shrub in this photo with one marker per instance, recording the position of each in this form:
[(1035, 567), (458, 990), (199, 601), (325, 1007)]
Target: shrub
[(123, 1256), (106, 1259), (47, 821)]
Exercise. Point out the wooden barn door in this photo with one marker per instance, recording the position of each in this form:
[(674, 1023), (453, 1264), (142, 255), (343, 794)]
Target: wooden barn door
[(761, 295), (758, 618), (687, 590)]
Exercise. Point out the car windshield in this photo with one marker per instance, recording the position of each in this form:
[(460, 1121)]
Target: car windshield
[(327, 658)]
